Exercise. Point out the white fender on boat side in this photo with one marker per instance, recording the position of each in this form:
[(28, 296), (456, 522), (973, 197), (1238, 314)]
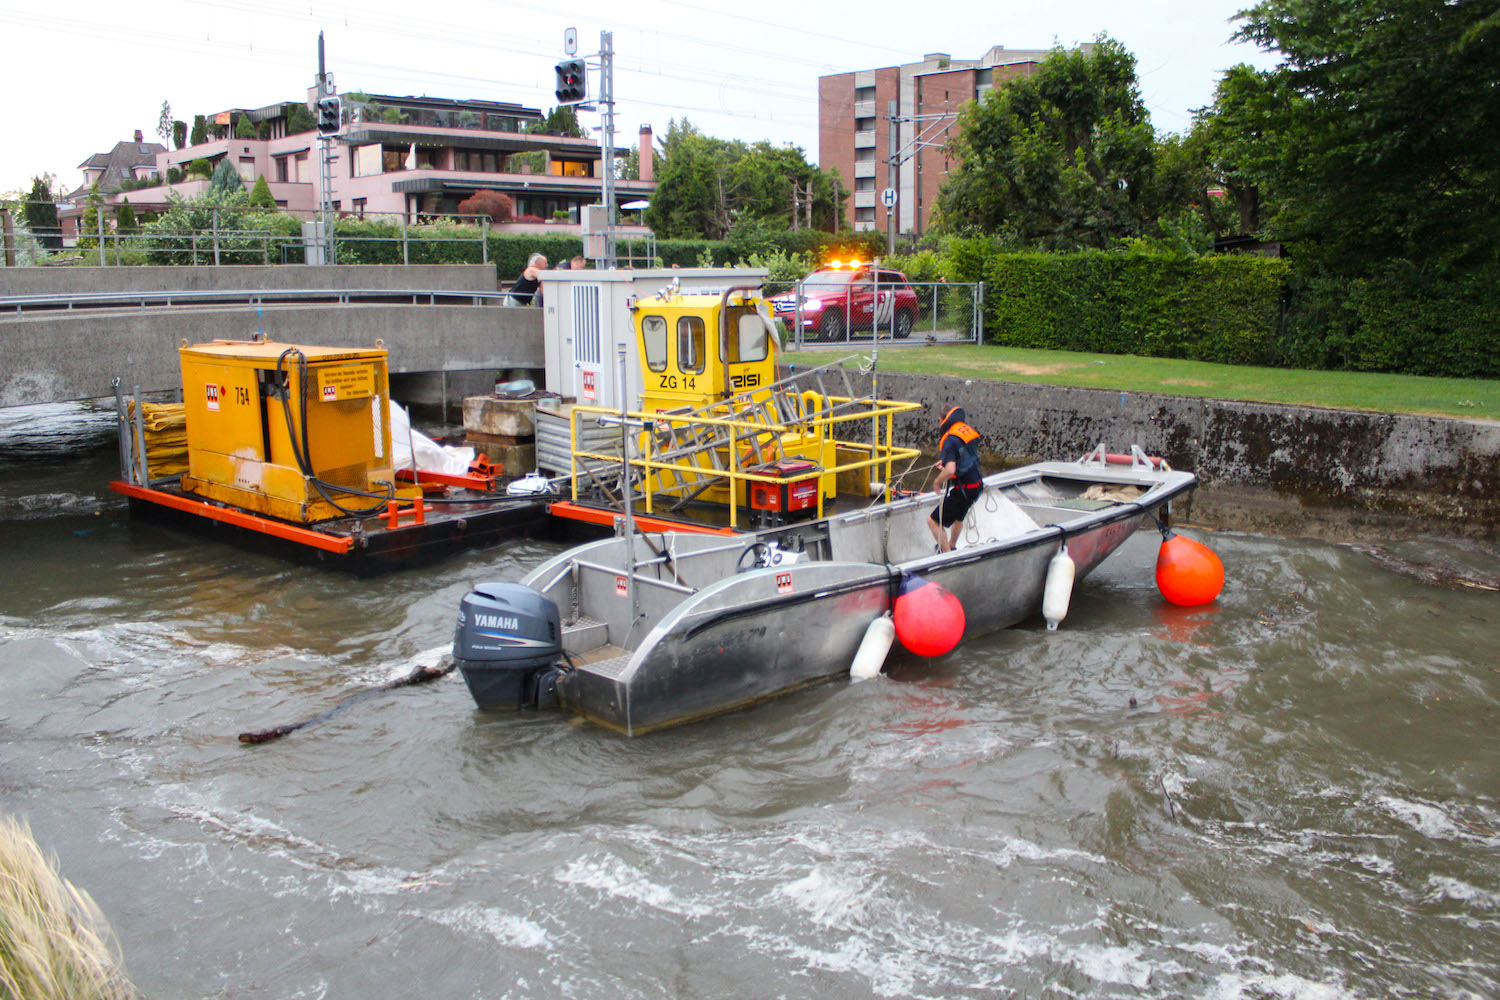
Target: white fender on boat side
[(873, 648), (1059, 589)]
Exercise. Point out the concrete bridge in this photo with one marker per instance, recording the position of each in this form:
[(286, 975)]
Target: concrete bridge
[(65, 333)]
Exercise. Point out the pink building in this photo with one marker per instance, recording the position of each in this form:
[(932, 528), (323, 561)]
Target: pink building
[(416, 157)]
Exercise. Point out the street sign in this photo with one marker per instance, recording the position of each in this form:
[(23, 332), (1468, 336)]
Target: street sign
[(888, 197)]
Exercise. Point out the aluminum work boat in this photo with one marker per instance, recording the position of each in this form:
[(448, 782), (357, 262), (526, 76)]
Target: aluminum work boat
[(650, 630)]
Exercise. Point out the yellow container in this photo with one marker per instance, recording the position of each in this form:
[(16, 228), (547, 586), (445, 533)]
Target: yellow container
[(243, 449)]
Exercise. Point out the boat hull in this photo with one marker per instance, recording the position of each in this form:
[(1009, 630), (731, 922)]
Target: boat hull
[(684, 626)]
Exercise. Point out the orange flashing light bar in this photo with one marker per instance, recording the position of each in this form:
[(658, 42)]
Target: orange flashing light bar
[(240, 519), (593, 515)]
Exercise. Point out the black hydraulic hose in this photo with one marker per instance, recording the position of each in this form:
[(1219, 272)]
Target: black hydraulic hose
[(303, 454)]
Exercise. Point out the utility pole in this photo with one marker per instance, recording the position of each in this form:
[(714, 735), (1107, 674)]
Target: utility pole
[(607, 102), (325, 155), (893, 133), (932, 125), (9, 236)]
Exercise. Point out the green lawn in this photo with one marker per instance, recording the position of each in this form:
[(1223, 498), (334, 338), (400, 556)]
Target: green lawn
[(1449, 397)]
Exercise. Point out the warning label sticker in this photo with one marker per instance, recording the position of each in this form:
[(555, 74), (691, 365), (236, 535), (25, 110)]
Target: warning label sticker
[(212, 392), (336, 382)]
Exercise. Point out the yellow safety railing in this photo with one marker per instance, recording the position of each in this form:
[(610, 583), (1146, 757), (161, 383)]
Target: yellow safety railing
[(816, 425)]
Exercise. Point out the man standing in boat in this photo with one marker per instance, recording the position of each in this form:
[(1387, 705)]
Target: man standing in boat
[(958, 470)]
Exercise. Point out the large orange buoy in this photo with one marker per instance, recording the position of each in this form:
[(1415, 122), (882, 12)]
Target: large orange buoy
[(1187, 572), (929, 618)]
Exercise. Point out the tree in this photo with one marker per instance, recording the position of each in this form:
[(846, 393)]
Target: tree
[(40, 212), (707, 187), (179, 134), (692, 185), (1061, 160), (89, 228), (260, 195), (164, 123), (244, 128), (498, 206), (225, 179), (299, 119), (1239, 141), (200, 130), (1390, 135), (125, 221), (559, 121)]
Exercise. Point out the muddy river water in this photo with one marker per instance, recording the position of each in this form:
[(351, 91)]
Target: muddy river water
[(1292, 793)]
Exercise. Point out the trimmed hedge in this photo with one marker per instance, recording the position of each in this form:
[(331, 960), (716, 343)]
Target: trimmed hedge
[(1219, 308), (1400, 320)]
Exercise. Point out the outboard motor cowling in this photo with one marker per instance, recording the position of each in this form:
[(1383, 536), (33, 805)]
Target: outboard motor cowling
[(507, 645)]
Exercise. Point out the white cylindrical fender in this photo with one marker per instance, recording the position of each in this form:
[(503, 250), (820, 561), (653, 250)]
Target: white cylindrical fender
[(1059, 589), (873, 648)]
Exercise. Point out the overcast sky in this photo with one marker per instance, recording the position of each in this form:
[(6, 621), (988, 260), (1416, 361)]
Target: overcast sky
[(86, 74)]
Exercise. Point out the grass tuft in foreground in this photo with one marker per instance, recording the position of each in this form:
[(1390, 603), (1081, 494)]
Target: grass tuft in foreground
[(54, 942)]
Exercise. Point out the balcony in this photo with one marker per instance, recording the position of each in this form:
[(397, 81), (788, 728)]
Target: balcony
[(865, 139), (864, 168)]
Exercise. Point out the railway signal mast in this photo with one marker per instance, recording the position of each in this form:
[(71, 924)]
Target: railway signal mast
[(572, 91), (329, 113)]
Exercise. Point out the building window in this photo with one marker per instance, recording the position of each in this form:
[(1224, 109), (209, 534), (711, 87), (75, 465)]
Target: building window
[(247, 168), (570, 168), (367, 160), (280, 164), (300, 172), (864, 184), (359, 206), (863, 94)]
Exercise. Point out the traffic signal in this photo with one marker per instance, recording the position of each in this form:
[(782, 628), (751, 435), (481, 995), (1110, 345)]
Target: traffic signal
[(572, 81), (330, 110)]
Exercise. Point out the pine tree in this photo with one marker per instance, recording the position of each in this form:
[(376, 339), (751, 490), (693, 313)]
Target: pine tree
[(41, 215)]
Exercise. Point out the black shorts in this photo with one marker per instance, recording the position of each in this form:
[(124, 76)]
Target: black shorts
[(956, 503)]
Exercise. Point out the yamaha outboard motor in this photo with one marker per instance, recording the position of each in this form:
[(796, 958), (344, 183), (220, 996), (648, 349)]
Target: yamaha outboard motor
[(508, 645)]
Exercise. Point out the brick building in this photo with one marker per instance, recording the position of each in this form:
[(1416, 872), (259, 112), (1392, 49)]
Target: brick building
[(854, 128)]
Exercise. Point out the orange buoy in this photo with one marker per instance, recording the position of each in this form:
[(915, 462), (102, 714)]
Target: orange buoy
[(929, 618), (1187, 572)]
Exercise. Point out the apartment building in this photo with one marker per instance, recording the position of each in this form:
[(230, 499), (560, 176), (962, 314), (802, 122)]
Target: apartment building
[(416, 157), (855, 112)]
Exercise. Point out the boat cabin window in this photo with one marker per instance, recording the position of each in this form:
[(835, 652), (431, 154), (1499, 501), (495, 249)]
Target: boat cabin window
[(747, 336), (654, 337), (691, 344)]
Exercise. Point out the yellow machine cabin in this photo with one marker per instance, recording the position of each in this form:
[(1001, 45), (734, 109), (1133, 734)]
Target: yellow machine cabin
[(697, 351), (279, 429)]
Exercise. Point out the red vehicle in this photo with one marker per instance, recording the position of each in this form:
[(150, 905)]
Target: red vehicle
[(841, 298)]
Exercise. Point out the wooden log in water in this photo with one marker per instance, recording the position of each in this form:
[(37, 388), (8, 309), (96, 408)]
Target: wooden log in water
[(423, 673)]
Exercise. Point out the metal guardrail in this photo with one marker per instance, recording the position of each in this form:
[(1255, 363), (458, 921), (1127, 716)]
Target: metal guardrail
[(20, 304)]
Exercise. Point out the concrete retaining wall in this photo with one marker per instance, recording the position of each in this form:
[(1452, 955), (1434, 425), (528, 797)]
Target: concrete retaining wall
[(50, 357), (1286, 469)]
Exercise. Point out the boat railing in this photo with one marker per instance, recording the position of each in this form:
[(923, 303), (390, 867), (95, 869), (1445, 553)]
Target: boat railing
[(687, 453)]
